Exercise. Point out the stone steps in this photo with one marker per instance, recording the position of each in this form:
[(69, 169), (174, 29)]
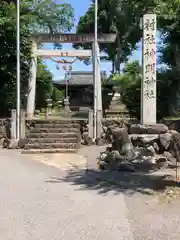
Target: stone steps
[(53, 140), (57, 125), (50, 150), (53, 135), (55, 121), (55, 130), (52, 145)]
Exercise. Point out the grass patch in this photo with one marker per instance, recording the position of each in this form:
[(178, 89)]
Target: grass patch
[(169, 194)]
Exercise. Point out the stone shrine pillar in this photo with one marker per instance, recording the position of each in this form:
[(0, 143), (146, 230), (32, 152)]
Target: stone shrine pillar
[(97, 91), (148, 85), (32, 83), (99, 95)]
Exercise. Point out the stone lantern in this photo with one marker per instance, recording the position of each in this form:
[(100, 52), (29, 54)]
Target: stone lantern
[(66, 106), (48, 108)]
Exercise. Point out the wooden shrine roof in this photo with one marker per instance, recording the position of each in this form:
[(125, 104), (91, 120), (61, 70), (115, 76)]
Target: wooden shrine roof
[(78, 78)]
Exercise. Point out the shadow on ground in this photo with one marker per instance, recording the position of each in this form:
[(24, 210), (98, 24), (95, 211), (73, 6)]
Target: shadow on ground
[(125, 182)]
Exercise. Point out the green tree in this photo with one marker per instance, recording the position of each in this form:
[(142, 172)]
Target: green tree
[(57, 95), (43, 85), (116, 16), (44, 15), (123, 17), (129, 84), (169, 26), (168, 83)]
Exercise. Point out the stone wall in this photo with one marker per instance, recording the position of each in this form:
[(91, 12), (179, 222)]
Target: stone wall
[(1, 129), (107, 128), (172, 124), (4, 129), (143, 148), (109, 125)]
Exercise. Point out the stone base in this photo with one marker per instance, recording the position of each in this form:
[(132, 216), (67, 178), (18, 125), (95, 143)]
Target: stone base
[(53, 150), (148, 129)]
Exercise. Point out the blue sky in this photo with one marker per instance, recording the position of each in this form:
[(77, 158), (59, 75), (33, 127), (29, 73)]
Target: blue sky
[(80, 7)]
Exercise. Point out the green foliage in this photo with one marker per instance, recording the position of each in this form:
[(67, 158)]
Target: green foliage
[(129, 83), (130, 88), (115, 16), (169, 25), (57, 95), (8, 59), (43, 85), (44, 15), (123, 18)]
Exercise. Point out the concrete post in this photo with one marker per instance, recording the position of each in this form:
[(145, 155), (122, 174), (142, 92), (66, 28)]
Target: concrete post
[(95, 90), (90, 123), (148, 86), (47, 113), (22, 124), (99, 123), (13, 124), (32, 83)]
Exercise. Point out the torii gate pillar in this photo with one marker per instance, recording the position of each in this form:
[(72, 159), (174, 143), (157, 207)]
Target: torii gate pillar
[(32, 83)]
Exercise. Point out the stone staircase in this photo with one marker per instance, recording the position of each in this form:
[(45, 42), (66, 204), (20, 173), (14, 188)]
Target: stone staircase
[(60, 136)]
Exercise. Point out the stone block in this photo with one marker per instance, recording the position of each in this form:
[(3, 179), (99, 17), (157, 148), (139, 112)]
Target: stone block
[(165, 140), (143, 139), (148, 129)]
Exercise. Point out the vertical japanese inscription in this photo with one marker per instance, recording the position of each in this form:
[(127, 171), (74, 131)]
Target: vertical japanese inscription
[(148, 100)]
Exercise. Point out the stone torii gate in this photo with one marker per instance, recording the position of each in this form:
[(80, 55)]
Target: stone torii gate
[(59, 38)]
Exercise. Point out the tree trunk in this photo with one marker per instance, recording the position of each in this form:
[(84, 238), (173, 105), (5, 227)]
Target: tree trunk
[(113, 66), (117, 65)]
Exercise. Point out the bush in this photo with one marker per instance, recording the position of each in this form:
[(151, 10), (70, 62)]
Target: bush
[(129, 84)]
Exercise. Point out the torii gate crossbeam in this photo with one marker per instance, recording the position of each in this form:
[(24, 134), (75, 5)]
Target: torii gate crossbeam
[(63, 53)]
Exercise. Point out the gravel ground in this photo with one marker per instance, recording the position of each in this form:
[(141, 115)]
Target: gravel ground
[(44, 202)]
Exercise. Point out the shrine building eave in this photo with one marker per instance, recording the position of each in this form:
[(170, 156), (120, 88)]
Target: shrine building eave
[(78, 79)]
